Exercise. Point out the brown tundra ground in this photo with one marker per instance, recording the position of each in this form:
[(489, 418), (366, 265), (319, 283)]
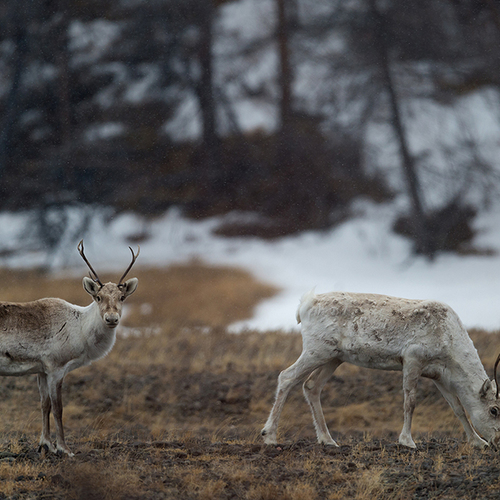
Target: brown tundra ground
[(175, 410)]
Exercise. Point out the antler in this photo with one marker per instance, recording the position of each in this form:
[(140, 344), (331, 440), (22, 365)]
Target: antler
[(95, 277), (495, 373), (134, 258)]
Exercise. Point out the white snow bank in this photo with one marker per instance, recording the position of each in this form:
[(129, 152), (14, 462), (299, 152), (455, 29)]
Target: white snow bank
[(361, 255)]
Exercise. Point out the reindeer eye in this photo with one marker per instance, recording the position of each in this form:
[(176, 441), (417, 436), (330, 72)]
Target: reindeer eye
[(122, 298), (494, 411), (98, 299)]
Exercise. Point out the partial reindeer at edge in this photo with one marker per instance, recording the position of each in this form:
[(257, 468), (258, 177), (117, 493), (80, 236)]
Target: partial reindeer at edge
[(417, 337), (51, 337)]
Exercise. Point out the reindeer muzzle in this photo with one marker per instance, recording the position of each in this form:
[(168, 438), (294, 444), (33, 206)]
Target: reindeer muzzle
[(111, 319)]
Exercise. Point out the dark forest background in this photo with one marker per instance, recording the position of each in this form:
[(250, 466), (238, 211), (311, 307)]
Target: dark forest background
[(91, 92)]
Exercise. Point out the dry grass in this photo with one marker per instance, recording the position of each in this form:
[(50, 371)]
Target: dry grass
[(175, 410), (191, 295)]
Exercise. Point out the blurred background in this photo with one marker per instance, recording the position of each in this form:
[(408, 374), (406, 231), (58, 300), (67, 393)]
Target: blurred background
[(286, 109), (290, 116)]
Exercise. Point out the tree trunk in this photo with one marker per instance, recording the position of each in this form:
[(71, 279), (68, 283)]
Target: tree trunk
[(205, 91), (64, 80), (495, 12), (12, 112), (423, 243), (284, 135)]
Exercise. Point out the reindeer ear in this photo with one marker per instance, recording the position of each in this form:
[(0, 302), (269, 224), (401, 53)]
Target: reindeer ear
[(90, 286), (485, 388), (130, 286)]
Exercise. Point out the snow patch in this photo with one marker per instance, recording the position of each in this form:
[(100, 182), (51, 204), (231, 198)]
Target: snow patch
[(360, 255)]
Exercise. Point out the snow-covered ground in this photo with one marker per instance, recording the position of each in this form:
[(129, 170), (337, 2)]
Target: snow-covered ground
[(361, 255)]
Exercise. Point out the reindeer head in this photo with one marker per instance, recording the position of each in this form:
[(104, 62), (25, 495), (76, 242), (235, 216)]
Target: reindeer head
[(109, 297), (490, 414)]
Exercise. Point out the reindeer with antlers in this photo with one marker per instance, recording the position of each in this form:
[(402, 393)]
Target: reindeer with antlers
[(51, 337), (421, 338)]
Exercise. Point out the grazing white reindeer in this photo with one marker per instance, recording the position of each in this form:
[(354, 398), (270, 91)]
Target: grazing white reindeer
[(418, 337), (51, 337)]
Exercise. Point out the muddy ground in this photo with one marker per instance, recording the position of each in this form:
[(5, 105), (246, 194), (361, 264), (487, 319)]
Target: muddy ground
[(212, 448), (175, 411), (441, 467)]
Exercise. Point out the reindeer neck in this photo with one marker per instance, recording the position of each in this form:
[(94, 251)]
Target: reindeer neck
[(467, 377), (98, 337)]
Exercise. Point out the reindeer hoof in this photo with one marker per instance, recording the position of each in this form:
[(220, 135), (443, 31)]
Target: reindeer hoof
[(268, 439), (329, 443), (408, 442), (64, 452)]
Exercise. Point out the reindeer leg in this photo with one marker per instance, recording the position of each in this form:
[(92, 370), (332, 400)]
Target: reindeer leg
[(411, 373), (287, 379), (46, 406), (55, 386), (312, 391)]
